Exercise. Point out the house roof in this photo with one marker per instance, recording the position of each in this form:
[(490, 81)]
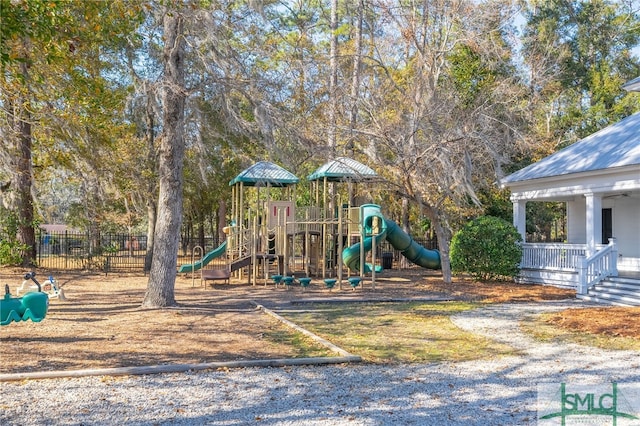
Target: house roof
[(342, 169), (632, 85), (265, 173), (615, 146)]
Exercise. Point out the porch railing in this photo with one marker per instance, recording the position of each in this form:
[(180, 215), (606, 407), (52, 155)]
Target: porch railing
[(598, 266), (591, 269), (552, 256)]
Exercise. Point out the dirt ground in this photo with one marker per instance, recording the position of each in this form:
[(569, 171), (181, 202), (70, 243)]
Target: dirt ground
[(101, 323)]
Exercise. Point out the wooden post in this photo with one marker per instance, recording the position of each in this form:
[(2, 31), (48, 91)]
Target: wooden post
[(307, 244), (614, 257), (373, 261), (362, 238), (285, 237), (196, 249), (340, 247), (582, 275), (520, 217), (593, 215), (254, 243)]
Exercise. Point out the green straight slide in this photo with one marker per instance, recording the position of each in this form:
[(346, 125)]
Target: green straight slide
[(401, 241), (217, 252)]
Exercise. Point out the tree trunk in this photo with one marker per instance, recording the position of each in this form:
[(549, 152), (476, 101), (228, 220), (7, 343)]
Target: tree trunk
[(355, 78), (201, 230), (404, 262), (161, 285), (152, 207), (23, 178), (333, 82), (92, 200), (444, 239), (222, 222), (443, 245), (151, 229)]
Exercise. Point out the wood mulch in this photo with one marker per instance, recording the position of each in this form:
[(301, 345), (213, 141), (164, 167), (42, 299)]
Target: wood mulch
[(101, 323)]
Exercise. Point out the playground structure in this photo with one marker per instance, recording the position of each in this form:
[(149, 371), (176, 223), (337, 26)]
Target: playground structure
[(32, 306), (273, 239), (49, 287)]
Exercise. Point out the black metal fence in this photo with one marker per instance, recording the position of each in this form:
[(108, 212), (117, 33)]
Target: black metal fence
[(108, 252), (127, 252)]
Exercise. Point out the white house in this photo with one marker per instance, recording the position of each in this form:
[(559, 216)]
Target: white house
[(598, 178)]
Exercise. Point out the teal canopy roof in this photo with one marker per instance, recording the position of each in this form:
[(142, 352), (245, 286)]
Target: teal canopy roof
[(342, 169), (263, 174)]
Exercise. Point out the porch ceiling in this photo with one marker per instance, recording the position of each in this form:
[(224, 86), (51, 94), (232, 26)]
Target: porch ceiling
[(544, 196), (619, 181)]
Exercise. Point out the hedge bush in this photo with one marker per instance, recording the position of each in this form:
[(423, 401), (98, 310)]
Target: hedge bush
[(487, 248), (11, 250)]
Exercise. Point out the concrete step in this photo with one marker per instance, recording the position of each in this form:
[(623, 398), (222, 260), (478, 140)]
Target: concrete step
[(623, 280), (618, 291), (609, 299)]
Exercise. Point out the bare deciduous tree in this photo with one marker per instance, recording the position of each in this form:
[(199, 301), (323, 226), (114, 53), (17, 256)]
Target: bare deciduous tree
[(442, 113)]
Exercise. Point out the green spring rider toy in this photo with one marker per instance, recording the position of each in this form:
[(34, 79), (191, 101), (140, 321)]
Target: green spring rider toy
[(32, 306)]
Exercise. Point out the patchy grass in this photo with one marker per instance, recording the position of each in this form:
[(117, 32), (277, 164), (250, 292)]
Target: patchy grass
[(398, 332), (608, 327), (300, 345)]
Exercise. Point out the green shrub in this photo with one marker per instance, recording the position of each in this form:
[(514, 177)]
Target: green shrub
[(487, 248), (11, 250)]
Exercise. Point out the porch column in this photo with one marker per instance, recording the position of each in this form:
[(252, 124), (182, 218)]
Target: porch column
[(520, 217), (594, 221)]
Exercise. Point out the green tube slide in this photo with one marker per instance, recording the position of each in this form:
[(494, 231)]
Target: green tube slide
[(371, 220), (413, 251), (217, 252), (351, 254), (400, 240)]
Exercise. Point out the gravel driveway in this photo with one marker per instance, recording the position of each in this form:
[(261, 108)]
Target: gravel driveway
[(501, 391)]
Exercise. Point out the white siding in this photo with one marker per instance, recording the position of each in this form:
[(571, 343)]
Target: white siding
[(576, 221), (626, 225)]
